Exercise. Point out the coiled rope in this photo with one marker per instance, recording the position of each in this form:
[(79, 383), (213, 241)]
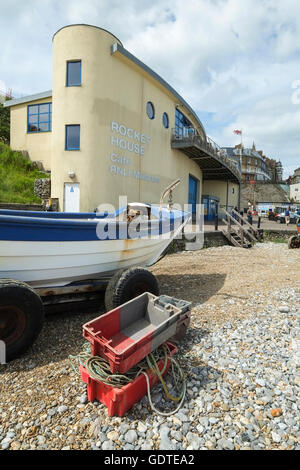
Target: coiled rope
[(98, 368)]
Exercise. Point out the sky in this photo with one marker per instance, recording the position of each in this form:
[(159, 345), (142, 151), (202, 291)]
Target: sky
[(236, 62)]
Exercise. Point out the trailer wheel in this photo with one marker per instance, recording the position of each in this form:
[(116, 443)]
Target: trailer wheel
[(127, 284), (21, 316), (294, 242)]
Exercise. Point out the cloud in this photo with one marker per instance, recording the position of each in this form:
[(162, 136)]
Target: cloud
[(233, 61)]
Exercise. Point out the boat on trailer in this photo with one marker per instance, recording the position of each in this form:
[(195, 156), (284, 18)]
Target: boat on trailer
[(56, 249), (52, 258)]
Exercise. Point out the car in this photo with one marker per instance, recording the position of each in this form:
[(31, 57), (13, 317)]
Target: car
[(294, 217)]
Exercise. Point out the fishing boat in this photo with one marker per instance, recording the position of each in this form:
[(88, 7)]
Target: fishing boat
[(56, 249), (49, 258)]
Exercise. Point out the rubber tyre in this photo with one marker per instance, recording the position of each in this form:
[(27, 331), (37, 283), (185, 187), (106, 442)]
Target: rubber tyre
[(127, 284), (21, 317), (294, 242)]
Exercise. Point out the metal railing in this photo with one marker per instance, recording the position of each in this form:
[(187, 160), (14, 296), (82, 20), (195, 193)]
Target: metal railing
[(256, 171), (191, 135)]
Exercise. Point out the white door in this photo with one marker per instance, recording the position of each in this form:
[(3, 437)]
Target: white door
[(72, 197)]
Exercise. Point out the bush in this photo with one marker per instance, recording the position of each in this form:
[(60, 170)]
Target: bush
[(4, 124), (17, 175)]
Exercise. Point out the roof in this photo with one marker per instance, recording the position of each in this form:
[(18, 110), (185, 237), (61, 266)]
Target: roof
[(230, 151), (27, 99), (87, 25)]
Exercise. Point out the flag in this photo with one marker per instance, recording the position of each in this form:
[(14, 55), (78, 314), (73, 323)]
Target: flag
[(237, 132)]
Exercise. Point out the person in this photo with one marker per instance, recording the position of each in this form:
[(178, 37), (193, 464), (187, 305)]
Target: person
[(233, 214), (249, 216), (287, 216)]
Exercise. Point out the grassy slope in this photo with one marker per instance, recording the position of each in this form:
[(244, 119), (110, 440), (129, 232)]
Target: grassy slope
[(17, 175)]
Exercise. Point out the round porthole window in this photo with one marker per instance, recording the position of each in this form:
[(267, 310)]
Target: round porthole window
[(166, 120), (150, 110)]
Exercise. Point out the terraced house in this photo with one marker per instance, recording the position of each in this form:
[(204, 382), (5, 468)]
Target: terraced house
[(254, 165), (111, 126)]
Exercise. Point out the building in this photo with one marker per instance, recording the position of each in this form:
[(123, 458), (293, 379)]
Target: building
[(295, 178), (255, 166), (295, 192), (251, 162), (111, 126), (275, 170)]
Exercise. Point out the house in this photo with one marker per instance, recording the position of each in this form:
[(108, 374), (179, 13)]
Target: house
[(111, 126)]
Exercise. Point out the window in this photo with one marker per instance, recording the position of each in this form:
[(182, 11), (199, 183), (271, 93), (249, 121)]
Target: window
[(74, 73), (39, 117), (165, 120), (182, 125), (150, 110), (73, 137)]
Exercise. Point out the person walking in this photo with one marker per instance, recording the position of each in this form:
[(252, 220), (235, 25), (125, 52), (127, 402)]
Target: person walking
[(249, 216), (287, 216)]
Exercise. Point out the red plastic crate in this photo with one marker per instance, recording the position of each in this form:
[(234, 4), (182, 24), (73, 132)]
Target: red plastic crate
[(182, 326), (120, 400), (126, 335)]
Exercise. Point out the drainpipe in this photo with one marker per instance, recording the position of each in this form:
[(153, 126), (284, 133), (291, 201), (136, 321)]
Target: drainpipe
[(227, 196)]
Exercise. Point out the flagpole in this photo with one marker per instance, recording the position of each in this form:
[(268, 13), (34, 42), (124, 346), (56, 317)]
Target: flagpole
[(241, 145), (241, 150)]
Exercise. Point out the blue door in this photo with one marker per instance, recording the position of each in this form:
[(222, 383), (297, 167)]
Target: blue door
[(213, 210), (193, 183)]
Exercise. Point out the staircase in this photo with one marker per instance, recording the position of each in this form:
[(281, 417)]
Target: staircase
[(239, 232)]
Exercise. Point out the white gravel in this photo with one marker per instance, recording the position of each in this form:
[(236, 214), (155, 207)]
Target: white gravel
[(243, 388)]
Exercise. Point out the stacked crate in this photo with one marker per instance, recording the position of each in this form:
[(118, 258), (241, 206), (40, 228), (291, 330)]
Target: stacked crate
[(125, 336)]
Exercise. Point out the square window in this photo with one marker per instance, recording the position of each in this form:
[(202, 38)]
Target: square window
[(44, 126), (39, 118), (73, 137), (44, 108), (33, 119), (33, 109), (74, 73), (32, 128)]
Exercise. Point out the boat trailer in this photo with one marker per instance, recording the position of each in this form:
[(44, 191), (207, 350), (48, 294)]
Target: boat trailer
[(23, 307)]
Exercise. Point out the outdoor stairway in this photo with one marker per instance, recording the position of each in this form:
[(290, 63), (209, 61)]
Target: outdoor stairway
[(235, 239), (239, 232)]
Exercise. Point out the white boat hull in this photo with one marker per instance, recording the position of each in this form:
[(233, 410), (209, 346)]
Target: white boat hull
[(48, 264)]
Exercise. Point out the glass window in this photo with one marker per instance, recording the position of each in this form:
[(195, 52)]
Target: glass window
[(182, 124), (74, 73), (33, 119), (44, 108), (34, 109), (150, 110), (39, 117), (73, 137), (166, 120)]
